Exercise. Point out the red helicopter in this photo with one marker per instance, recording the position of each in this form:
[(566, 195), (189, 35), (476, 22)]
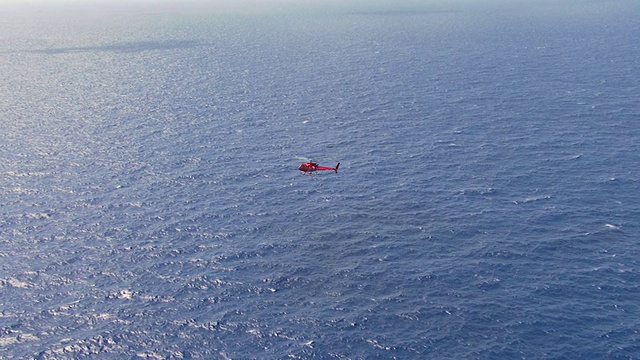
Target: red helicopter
[(310, 167)]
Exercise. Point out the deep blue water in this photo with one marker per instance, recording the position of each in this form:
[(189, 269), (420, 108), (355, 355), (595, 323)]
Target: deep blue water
[(487, 205)]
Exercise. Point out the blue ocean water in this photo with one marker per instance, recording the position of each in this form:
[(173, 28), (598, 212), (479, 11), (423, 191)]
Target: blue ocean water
[(486, 207)]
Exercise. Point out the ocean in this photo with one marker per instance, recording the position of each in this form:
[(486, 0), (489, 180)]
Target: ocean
[(487, 204)]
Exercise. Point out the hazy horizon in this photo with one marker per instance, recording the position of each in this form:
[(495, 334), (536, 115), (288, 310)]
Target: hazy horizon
[(365, 5)]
